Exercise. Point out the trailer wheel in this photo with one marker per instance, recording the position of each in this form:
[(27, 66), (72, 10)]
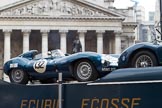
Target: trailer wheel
[(144, 59), (18, 76), (84, 70)]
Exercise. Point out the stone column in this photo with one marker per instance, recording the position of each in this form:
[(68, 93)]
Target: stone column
[(7, 50), (82, 38), (110, 46), (44, 42), (26, 34), (7, 45), (63, 45), (100, 41), (118, 42)]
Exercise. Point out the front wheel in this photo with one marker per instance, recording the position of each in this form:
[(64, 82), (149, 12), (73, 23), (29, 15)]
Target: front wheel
[(84, 70), (144, 59), (18, 76)]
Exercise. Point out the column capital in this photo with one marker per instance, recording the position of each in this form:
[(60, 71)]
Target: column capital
[(118, 32), (26, 30), (44, 31), (7, 30), (100, 31), (26, 33), (82, 31), (63, 31)]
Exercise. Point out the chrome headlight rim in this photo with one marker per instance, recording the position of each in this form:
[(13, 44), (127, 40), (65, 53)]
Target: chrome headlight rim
[(123, 57), (105, 61)]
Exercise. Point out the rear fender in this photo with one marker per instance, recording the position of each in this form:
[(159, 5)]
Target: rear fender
[(143, 49), (14, 64)]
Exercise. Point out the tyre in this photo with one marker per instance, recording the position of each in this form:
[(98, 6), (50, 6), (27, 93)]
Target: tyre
[(18, 76), (84, 70), (144, 59)]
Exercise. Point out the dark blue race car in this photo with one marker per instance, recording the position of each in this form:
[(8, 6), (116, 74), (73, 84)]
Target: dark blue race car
[(83, 66), (141, 55)]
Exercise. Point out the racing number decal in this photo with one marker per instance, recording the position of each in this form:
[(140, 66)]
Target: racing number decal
[(40, 66)]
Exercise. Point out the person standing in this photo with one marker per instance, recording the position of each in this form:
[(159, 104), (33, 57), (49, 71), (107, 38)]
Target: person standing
[(77, 47)]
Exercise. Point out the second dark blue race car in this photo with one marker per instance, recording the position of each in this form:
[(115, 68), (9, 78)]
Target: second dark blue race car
[(143, 54), (83, 66)]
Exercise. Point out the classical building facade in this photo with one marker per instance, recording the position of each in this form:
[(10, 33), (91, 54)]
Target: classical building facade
[(53, 24)]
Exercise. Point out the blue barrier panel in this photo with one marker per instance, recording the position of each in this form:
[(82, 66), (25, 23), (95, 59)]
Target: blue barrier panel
[(82, 95), (147, 95), (22, 96), (135, 88)]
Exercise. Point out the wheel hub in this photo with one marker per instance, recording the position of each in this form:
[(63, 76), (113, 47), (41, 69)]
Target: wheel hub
[(144, 61), (144, 64), (84, 70), (17, 76)]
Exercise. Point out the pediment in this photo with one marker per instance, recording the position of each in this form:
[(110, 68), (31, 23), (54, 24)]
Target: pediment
[(57, 8)]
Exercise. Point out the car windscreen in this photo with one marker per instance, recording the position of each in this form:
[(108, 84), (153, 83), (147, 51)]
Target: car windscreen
[(57, 53)]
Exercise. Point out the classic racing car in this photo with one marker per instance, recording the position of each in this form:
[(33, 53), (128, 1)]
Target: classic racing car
[(82, 66), (141, 55)]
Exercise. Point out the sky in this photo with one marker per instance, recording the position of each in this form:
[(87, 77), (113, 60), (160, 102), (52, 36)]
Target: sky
[(149, 5)]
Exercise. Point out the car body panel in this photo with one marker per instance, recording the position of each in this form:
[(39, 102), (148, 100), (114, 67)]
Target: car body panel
[(133, 74), (39, 67), (127, 54)]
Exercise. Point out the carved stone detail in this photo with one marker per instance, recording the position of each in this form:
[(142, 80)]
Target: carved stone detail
[(51, 8)]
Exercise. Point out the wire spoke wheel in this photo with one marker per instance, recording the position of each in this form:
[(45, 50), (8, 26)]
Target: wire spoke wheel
[(84, 70), (18, 76), (144, 61)]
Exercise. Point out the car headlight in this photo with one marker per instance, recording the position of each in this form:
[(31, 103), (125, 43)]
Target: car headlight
[(123, 58), (105, 61), (104, 58)]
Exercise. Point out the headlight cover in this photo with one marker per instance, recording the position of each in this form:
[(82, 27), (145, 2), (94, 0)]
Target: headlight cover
[(108, 60), (123, 56)]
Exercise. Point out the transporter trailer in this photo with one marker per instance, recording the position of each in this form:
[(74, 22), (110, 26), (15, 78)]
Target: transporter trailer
[(122, 88)]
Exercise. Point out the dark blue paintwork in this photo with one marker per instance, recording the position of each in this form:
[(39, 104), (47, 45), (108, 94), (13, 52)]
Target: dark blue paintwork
[(103, 93), (64, 64), (128, 54), (133, 74)]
